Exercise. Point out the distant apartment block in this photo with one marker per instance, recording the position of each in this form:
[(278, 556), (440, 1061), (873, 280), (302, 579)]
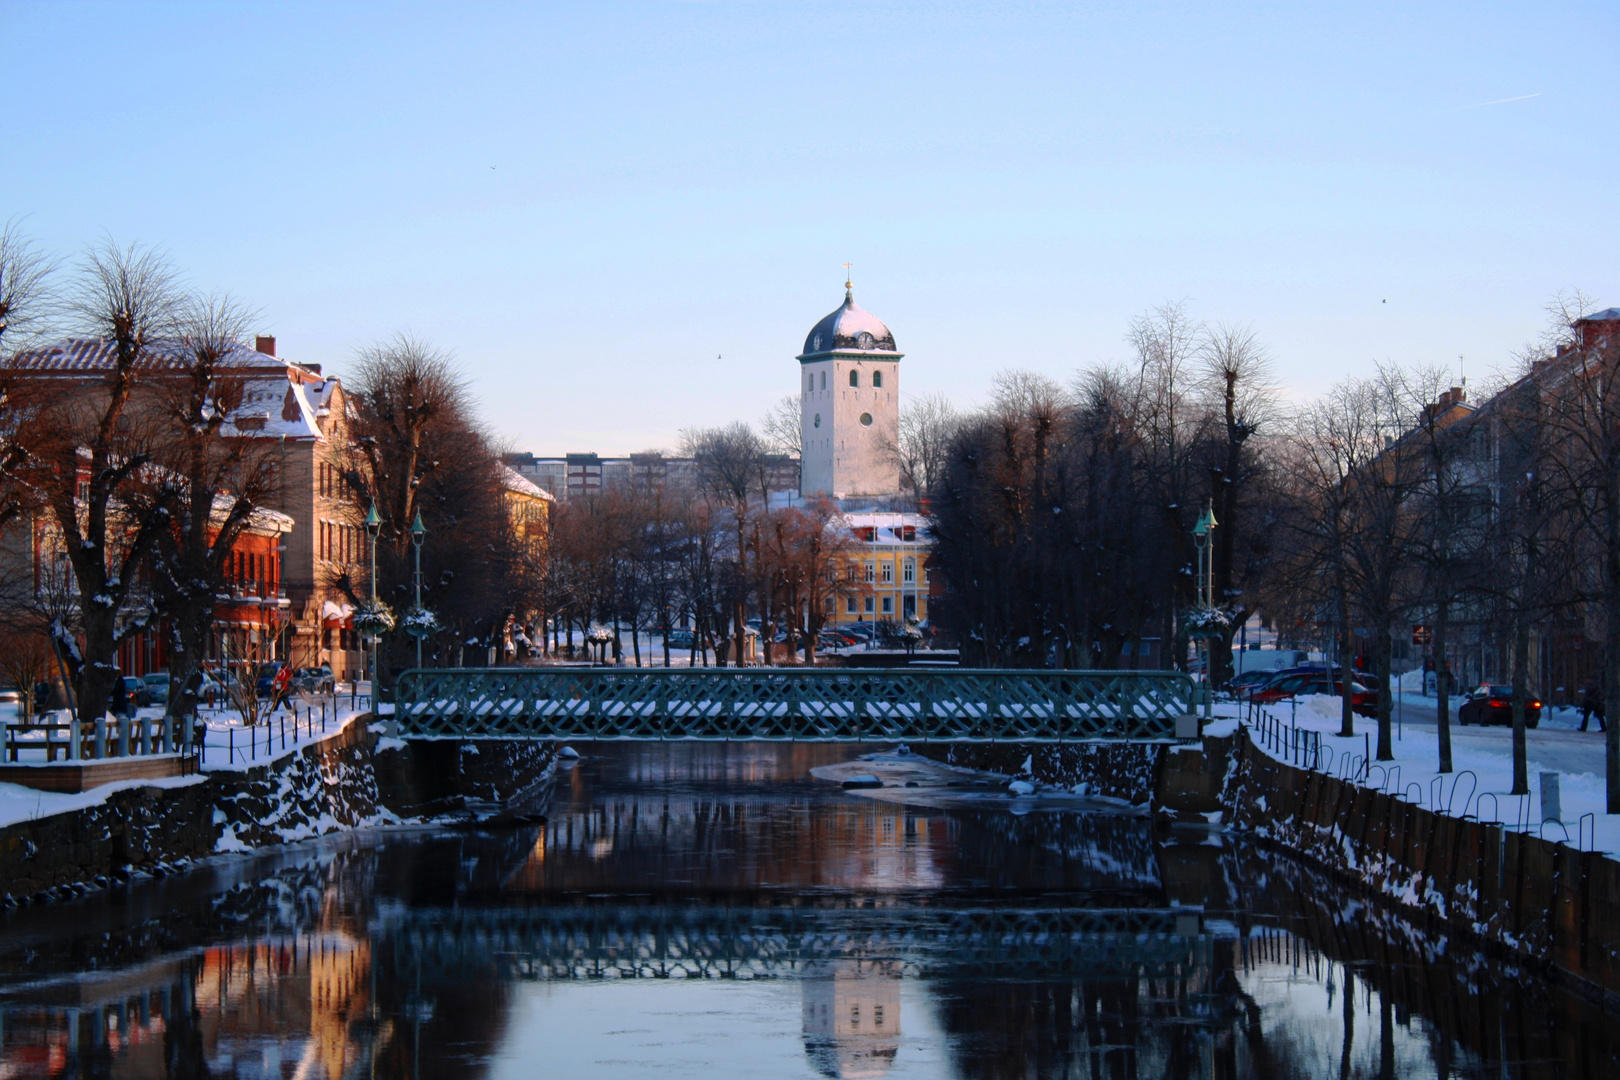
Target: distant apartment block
[(575, 475)]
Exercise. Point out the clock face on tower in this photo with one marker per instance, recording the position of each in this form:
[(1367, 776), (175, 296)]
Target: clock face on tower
[(864, 340)]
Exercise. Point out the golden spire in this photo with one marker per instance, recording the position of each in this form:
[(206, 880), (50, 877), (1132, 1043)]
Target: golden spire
[(849, 285)]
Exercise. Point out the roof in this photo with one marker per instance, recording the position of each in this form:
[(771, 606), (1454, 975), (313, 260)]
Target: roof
[(850, 329), (1606, 315), (519, 484), (74, 356)]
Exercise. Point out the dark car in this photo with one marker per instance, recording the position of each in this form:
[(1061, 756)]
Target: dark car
[(263, 684), (1493, 704), (131, 694), (679, 639), (1301, 683), (314, 680), (1248, 682), (157, 687)]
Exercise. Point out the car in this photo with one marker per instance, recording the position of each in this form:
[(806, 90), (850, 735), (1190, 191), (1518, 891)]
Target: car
[(132, 694), (1299, 684), (265, 679), (679, 639), (1246, 683), (314, 680), (1492, 703), (157, 687)]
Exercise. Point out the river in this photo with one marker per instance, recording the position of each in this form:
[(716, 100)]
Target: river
[(717, 911)]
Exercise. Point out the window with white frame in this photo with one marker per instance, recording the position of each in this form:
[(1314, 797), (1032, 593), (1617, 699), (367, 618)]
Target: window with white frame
[(888, 573), (908, 572), (871, 570), (888, 605)]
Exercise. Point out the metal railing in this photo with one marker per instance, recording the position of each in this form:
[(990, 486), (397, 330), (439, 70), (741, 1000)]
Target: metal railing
[(807, 704)]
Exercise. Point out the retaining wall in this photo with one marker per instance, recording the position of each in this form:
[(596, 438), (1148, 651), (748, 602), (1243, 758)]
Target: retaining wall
[(325, 787), (1544, 901)]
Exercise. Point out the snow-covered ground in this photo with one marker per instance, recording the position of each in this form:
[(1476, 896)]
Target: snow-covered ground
[(1482, 759)]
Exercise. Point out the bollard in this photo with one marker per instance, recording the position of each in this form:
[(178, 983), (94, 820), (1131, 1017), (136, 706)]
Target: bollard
[(1551, 803), (232, 733), (101, 737)]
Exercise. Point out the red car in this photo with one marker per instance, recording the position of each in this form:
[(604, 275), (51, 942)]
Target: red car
[(1362, 700)]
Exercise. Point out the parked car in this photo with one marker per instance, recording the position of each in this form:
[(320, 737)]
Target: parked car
[(157, 687), (10, 694), (1243, 685), (679, 639), (266, 676), (314, 680), (1300, 684), (132, 694), (1493, 704)]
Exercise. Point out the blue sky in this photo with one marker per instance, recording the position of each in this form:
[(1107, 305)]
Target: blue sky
[(623, 218)]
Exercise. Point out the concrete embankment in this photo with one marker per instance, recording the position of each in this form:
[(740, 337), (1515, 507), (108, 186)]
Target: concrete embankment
[(351, 779), (1542, 902)]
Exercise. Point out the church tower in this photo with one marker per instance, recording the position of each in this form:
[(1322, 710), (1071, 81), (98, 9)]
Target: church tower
[(849, 389)]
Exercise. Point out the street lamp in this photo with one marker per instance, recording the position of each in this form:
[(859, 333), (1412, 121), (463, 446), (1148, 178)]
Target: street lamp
[(1203, 536), (373, 527), (418, 534)]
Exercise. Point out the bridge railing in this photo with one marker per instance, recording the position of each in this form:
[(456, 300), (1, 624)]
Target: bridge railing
[(788, 704)]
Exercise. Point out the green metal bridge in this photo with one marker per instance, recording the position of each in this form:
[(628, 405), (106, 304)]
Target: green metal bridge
[(794, 704)]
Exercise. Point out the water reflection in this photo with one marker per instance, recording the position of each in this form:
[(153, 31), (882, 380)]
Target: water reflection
[(710, 909)]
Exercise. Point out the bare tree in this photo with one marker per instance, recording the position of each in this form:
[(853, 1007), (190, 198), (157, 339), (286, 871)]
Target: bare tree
[(729, 464), (93, 467), (25, 309), (214, 480), (782, 428), (927, 426)]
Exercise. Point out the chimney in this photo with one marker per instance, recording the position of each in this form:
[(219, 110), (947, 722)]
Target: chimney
[(1458, 394), (266, 345), (1444, 403)]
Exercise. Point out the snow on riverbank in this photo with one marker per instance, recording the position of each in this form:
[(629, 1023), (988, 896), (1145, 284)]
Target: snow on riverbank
[(1482, 759)]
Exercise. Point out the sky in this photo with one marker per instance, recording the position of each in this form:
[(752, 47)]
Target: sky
[(623, 219)]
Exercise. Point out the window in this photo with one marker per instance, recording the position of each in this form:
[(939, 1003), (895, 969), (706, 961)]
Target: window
[(888, 605), (829, 604), (877, 380), (869, 605), (855, 378), (888, 573), (850, 606), (809, 381), (824, 380), (871, 570), (908, 572)]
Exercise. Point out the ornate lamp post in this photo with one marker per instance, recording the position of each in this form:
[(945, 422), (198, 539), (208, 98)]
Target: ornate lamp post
[(373, 527), (418, 534), (1203, 537)]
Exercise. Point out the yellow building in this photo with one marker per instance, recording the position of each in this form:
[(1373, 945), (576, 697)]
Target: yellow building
[(528, 507), (890, 567)]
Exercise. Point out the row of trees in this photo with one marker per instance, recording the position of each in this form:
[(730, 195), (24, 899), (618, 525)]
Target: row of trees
[(136, 485), (712, 555), (1063, 515)]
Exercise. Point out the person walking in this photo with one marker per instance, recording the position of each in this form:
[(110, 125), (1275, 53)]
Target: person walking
[(280, 688), (1592, 705)]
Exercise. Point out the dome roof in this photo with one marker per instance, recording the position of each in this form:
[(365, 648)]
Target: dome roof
[(849, 329)]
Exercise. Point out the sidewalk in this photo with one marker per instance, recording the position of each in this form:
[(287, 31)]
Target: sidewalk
[(1482, 758)]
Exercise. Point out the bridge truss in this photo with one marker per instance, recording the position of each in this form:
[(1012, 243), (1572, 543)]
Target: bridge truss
[(792, 704), (566, 943)]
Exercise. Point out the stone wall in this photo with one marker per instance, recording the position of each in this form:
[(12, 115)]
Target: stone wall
[(328, 786), (1542, 901), (1125, 771)]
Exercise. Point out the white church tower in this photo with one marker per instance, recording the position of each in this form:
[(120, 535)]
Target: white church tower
[(849, 387)]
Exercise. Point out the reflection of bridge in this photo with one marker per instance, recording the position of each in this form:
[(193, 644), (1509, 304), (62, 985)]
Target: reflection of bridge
[(792, 704), (597, 942)]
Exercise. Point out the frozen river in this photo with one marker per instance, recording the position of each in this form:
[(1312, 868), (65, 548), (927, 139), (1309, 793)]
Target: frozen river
[(715, 910)]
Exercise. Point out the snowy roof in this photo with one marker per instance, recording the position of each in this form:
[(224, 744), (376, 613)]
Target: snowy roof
[(850, 329), (86, 355), (887, 528), (261, 520), (1606, 315), (519, 484)]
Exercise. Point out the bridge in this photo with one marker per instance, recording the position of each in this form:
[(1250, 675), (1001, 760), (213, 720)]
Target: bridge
[(793, 704), (586, 942)]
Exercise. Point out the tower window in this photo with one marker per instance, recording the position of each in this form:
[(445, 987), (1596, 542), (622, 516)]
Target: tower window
[(809, 381), (877, 379), (824, 380), (855, 378)]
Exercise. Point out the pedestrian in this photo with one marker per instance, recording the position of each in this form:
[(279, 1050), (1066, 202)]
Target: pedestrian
[(1592, 705), (280, 687)]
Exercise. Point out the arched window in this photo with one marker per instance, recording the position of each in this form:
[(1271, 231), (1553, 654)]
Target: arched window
[(854, 378), (877, 379)]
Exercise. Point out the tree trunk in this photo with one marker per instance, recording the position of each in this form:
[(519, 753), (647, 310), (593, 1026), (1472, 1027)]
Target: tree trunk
[(1442, 692), (1386, 692), (1521, 691)]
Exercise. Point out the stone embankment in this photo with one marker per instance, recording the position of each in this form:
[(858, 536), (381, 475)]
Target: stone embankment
[(1542, 902), (352, 779)]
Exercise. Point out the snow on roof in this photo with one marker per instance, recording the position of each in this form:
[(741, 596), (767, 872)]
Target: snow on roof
[(88, 355), (1606, 315), (262, 519), (519, 484)]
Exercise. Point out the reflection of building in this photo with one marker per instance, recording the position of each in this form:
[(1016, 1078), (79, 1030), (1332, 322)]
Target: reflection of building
[(852, 1017)]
